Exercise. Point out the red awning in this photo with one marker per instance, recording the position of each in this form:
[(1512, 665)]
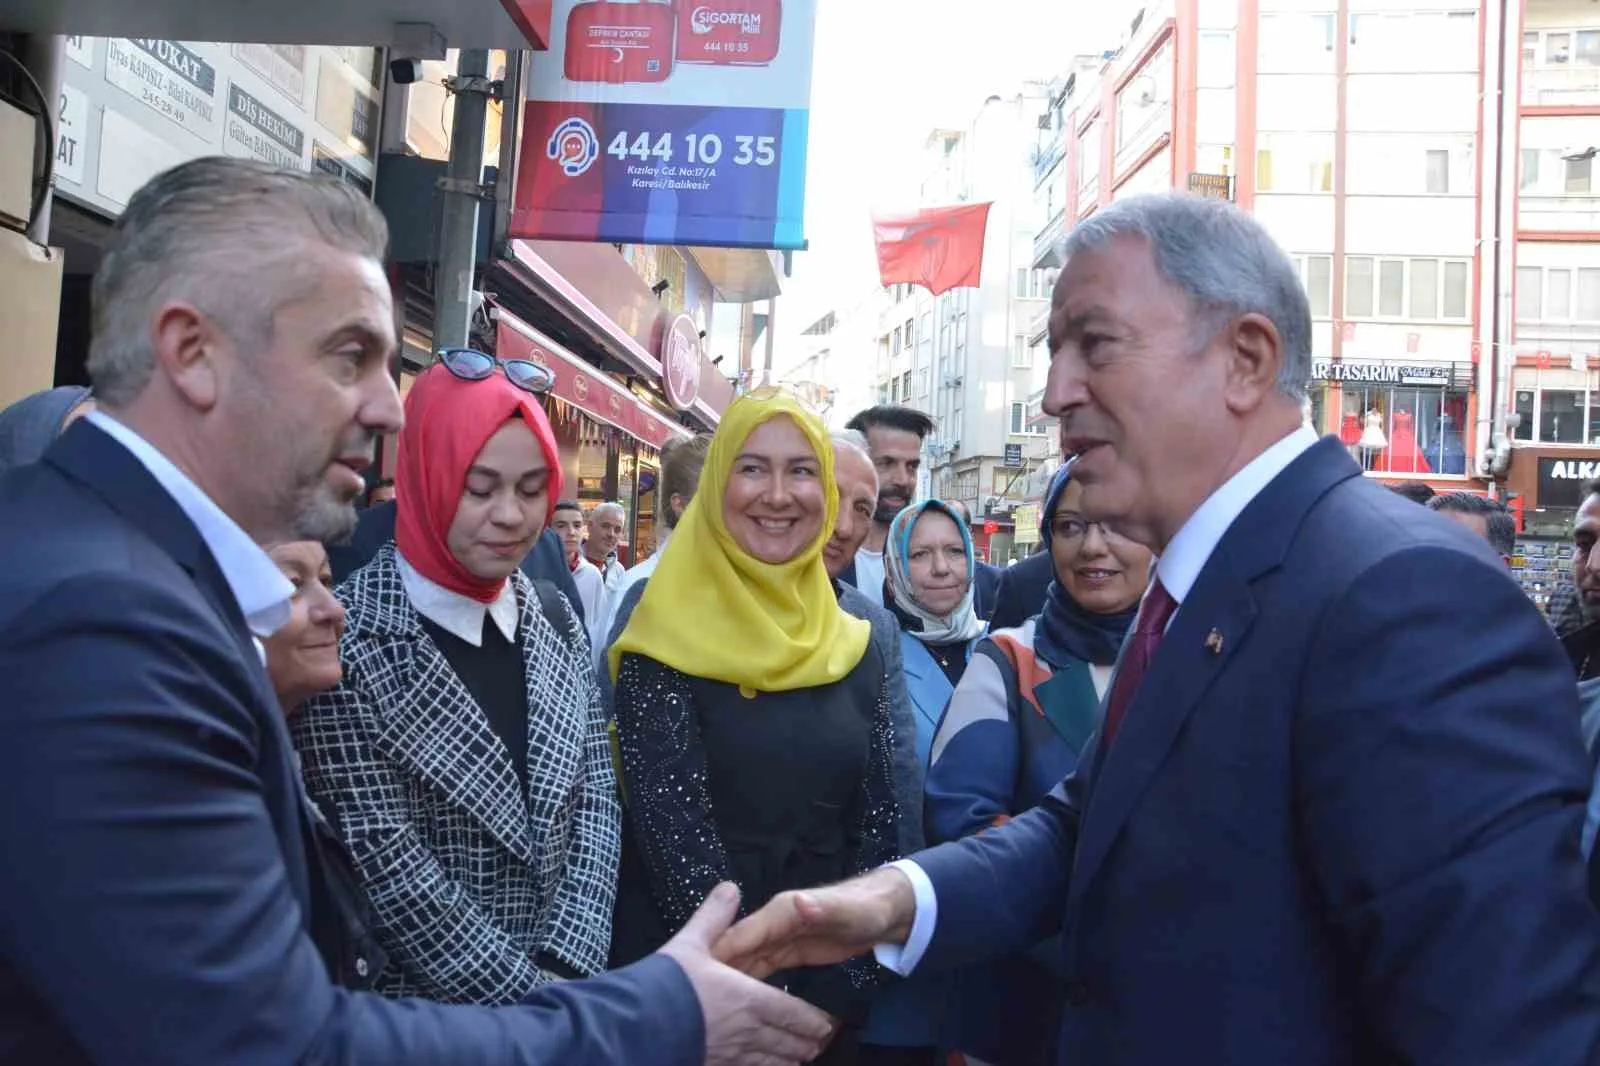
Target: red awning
[(543, 278), (592, 391)]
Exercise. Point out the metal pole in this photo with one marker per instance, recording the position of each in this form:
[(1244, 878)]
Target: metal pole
[(510, 141), (462, 188)]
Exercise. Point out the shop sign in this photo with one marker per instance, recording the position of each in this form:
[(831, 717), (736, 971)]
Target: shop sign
[(168, 78), (669, 123), (72, 132), (256, 131), (680, 362), (81, 51), (1013, 455), (1026, 518), (282, 66), (1562, 480), (1380, 373), (1211, 186), (332, 163)]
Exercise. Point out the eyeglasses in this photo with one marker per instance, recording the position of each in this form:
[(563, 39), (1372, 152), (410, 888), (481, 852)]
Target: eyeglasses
[(469, 364), (1067, 527)]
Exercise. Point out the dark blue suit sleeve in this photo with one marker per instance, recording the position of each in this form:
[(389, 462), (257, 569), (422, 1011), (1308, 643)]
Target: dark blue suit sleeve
[(1004, 890), (146, 899), (1440, 784), (548, 560)]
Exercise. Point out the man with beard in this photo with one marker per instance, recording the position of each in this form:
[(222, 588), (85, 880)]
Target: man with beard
[(162, 901), (894, 437)]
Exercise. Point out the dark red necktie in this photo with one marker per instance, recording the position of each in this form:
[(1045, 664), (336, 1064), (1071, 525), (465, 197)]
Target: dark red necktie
[(1148, 628)]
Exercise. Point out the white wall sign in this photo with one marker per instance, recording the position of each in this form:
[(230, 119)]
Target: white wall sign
[(131, 155), (169, 78), (282, 66), (257, 131), (81, 51), (72, 133)]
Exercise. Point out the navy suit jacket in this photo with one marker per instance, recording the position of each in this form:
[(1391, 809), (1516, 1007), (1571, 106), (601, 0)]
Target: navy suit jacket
[(375, 528), (1339, 823), (157, 892), (1021, 591)]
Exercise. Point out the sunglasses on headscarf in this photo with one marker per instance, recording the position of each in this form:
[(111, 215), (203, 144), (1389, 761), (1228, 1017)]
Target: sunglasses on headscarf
[(469, 364)]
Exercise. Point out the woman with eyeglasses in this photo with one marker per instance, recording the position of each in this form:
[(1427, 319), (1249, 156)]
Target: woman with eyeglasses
[(1014, 729), (752, 714), (464, 757)]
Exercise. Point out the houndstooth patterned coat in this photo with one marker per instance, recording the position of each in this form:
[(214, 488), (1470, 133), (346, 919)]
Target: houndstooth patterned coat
[(471, 886)]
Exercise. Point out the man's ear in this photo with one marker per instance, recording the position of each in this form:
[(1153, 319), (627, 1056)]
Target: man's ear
[(186, 342), (1255, 357)]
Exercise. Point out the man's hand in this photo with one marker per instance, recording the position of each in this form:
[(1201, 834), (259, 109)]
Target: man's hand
[(746, 1021), (822, 926)]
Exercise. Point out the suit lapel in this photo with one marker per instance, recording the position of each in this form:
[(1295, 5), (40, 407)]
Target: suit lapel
[(1209, 632), (436, 730), (921, 671)]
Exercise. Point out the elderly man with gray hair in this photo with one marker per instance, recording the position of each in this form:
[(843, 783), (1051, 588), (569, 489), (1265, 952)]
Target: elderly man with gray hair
[(1330, 812), (607, 522)]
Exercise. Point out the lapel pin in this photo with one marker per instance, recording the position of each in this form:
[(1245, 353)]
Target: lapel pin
[(1214, 642)]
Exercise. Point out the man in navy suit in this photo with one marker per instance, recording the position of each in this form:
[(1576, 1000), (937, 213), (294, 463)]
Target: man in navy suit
[(161, 892), (1332, 816)]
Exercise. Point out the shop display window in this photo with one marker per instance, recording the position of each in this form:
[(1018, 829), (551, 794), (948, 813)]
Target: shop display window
[(1402, 430)]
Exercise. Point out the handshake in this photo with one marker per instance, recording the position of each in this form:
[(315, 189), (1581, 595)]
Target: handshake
[(749, 1023)]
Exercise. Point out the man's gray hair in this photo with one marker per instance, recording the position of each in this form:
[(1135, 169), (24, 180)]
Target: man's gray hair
[(603, 508), (854, 438), (1223, 259), (220, 234)]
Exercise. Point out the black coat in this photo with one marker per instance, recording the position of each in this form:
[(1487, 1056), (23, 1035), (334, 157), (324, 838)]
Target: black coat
[(1021, 592)]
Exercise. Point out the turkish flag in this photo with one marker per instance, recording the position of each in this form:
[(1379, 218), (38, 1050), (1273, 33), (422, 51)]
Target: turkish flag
[(940, 248)]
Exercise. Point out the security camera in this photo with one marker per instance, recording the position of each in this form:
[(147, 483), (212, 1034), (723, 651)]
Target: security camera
[(405, 71)]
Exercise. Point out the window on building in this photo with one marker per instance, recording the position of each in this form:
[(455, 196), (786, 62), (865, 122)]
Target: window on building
[(1562, 418), (1422, 427), (1558, 295), (1357, 287), (1088, 163), (1424, 304), (1218, 63), (1316, 276), (1530, 49), (1437, 174), (1391, 287), (1557, 48), (1586, 49), (1530, 169), (1294, 162), (1017, 410), (1578, 174), (894, 342), (1588, 301), (911, 326), (1419, 290), (1296, 42), (1021, 354), (1530, 294), (905, 385), (1456, 277), (1523, 406)]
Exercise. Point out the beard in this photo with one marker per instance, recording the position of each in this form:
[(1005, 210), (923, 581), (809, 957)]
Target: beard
[(885, 512), (319, 512)]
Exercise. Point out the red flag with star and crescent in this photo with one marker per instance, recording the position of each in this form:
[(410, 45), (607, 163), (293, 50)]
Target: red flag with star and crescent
[(939, 248)]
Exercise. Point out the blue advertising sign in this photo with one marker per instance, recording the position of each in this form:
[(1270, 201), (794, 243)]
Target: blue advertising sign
[(629, 136)]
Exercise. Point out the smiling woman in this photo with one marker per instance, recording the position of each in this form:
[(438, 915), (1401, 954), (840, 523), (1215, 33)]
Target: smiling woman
[(752, 716), (465, 754)]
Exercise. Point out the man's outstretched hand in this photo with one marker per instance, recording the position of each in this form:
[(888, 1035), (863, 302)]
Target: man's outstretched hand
[(747, 1023), (821, 926)]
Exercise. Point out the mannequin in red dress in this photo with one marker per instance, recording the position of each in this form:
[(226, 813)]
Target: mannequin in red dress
[(1402, 456)]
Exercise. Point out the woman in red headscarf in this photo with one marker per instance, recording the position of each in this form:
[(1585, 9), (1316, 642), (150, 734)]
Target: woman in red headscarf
[(464, 757)]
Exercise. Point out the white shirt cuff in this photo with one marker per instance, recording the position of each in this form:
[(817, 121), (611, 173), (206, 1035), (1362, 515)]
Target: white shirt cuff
[(902, 959)]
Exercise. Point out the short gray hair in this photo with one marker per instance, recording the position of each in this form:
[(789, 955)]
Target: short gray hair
[(609, 505), (218, 233), (854, 438), (1222, 258)]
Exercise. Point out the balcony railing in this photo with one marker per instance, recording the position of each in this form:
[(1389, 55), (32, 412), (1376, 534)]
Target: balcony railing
[(1561, 86), (1047, 242)]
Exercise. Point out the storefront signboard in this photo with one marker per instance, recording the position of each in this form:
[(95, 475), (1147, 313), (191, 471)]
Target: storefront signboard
[(256, 131), (679, 352), (170, 78), (1562, 480), (1375, 373), (282, 66), (669, 123)]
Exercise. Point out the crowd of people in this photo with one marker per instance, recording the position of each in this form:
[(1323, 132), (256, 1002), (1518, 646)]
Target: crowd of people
[(1252, 762)]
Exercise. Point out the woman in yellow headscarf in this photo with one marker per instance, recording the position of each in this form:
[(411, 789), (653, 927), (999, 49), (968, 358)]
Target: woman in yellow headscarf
[(752, 716)]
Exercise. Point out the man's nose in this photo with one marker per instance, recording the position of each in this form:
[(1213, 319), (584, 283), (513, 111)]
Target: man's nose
[(1065, 387), (382, 410)]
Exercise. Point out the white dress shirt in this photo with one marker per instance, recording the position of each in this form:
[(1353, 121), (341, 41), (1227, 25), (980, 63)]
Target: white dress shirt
[(869, 575), (592, 591), (258, 585), (630, 577), (1178, 569), (458, 615)]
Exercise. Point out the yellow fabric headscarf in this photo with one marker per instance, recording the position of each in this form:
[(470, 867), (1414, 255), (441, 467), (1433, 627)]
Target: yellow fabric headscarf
[(713, 611)]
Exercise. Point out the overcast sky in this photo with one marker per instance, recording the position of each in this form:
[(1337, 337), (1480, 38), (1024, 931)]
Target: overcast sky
[(886, 72)]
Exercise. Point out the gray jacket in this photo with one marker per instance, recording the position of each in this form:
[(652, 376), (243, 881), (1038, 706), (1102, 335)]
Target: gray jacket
[(908, 770)]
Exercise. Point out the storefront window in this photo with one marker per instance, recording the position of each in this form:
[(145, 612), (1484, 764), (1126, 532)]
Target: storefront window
[(1403, 429), (1524, 408), (1561, 416)]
